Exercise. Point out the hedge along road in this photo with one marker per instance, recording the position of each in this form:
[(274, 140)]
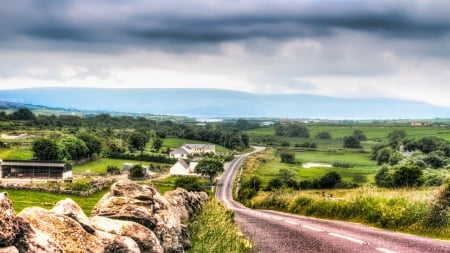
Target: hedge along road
[(271, 231)]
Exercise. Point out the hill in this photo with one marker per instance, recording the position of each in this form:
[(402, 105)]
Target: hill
[(223, 103)]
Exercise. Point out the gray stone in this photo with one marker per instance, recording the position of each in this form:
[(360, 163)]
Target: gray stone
[(8, 222), (71, 209)]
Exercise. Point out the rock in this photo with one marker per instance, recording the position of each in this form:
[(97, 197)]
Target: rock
[(10, 249), (143, 236), (117, 244), (30, 240), (71, 209), (64, 231), (188, 204), (143, 204), (8, 222)]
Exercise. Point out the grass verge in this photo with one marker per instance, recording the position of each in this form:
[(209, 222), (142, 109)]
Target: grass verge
[(214, 230)]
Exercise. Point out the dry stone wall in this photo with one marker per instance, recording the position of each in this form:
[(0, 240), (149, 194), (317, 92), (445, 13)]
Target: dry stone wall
[(130, 218)]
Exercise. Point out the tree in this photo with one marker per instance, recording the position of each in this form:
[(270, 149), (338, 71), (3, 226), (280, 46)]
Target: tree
[(93, 143), (329, 180), (138, 140), (395, 137), (137, 171), (407, 176), (323, 135), (352, 142), (287, 157), (359, 134), (210, 167), (22, 114), (74, 147), (47, 150), (157, 143), (383, 178)]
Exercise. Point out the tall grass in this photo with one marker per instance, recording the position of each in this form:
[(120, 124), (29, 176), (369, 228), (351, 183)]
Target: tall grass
[(404, 210), (214, 230)]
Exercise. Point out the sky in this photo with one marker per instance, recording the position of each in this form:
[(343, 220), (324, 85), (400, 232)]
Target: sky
[(353, 48)]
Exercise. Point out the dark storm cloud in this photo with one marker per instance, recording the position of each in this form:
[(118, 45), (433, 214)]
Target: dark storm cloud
[(140, 22)]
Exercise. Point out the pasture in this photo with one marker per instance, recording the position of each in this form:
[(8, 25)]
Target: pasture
[(99, 166)]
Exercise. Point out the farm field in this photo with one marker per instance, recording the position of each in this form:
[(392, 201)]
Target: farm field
[(99, 166), (23, 198), (16, 153)]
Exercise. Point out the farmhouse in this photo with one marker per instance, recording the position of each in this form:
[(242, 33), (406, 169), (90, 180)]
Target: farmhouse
[(192, 149), (35, 169), (181, 168)]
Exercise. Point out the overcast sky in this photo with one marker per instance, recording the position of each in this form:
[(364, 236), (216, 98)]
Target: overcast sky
[(379, 48)]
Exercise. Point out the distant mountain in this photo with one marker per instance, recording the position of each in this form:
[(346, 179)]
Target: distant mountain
[(223, 103)]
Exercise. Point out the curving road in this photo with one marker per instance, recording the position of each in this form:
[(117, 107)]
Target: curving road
[(272, 231)]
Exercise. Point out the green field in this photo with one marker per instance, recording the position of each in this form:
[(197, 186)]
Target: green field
[(16, 153), (99, 166), (22, 199)]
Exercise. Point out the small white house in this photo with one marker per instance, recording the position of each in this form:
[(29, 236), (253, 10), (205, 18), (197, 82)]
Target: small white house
[(192, 149), (180, 168)]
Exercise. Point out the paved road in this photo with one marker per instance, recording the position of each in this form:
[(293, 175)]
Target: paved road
[(272, 231)]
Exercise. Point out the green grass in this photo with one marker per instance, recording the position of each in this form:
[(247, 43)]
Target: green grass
[(99, 166), (396, 209), (363, 169), (214, 230), (16, 153), (168, 184), (23, 198)]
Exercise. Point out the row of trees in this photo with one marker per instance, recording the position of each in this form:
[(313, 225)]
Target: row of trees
[(75, 148)]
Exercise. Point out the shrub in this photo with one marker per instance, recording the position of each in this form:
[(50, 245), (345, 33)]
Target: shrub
[(287, 157), (137, 171), (407, 176), (352, 142), (329, 180), (190, 183), (323, 135), (383, 177), (342, 165), (111, 169), (438, 215)]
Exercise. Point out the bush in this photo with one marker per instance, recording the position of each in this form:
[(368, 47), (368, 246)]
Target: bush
[(407, 176), (383, 178), (352, 142), (342, 165), (114, 170), (287, 157), (329, 180), (190, 183), (137, 171), (438, 215), (323, 135)]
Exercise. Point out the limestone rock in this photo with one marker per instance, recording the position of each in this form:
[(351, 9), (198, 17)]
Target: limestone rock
[(8, 222), (116, 243), (30, 240), (64, 231), (71, 209), (188, 204), (130, 201), (10, 249), (143, 236)]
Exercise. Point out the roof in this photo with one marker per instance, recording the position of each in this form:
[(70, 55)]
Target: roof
[(33, 163), (179, 151), (205, 146), (183, 163)]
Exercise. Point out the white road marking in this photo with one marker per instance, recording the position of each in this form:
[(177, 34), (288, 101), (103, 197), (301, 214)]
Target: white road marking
[(312, 228), (385, 250), (291, 222), (347, 238)]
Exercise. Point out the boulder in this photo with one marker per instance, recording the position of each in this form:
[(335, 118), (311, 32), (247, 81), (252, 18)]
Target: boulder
[(71, 209), (143, 204), (10, 249), (8, 221), (68, 234), (143, 236), (117, 244), (187, 204), (30, 240)]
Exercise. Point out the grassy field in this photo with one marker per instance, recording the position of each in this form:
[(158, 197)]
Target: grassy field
[(16, 153), (363, 169), (22, 199), (99, 166)]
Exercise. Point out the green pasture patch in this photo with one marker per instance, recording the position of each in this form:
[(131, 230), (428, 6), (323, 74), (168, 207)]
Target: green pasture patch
[(99, 166), (16, 153), (23, 198)]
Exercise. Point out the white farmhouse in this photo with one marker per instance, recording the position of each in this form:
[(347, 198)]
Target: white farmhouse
[(192, 149), (180, 168)]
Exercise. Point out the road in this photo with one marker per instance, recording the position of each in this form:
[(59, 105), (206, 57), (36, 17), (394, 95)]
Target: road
[(272, 231)]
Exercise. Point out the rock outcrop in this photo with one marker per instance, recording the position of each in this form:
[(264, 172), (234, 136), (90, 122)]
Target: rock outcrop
[(130, 218)]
